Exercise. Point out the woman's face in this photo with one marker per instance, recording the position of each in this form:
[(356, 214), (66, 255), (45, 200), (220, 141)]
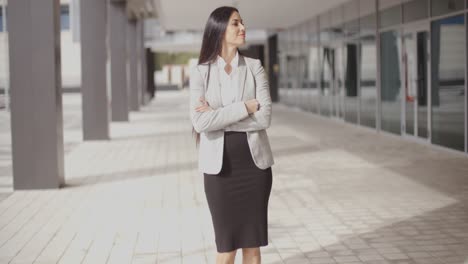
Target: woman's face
[(235, 31)]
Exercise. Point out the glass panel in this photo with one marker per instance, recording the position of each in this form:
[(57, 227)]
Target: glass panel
[(303, 94), (368, 71), (302, 38), (313, 69), (440, 7), (64, 17), (282, 59), (422, 46), (1, 19), (409, 74), (390, 50), (351, 82), (390, 16), (448, 81), (327, 58), (350, 57), (415, 10), (338, 78)]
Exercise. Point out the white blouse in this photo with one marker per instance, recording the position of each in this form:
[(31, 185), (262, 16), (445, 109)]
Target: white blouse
[(229, 82)]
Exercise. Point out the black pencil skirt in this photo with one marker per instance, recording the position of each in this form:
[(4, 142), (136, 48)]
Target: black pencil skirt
[(238, 197)]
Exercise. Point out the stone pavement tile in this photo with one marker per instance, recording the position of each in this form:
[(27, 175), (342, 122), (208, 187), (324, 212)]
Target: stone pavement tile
[(318, 254), (394, 256), (322, 260), (297, 261), (430, 261), (271, 258), (146, 259), (291, 254), (169, 258), (308, 247), (345, 259), (422, 254), (368, 257)]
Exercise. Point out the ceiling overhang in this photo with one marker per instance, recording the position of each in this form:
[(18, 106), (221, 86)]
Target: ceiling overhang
[(175, 15)]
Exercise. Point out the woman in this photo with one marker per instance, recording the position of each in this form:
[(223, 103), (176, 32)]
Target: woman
[(230, 109)]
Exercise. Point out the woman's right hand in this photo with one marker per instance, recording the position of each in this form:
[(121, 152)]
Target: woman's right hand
[(251, 105)]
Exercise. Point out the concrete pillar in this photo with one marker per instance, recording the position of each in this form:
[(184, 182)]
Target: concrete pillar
[(134, 91), (118, 60), (95, 102), (36, 94)]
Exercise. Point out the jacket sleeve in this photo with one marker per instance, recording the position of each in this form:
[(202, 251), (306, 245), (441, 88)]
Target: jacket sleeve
[(211, 120), (262, 118)]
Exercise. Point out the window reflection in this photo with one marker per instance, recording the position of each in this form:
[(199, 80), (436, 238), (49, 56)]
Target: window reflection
[(390, 52), (350, 57), (448, 81), (327, 57), (368, 71), (313, 72)]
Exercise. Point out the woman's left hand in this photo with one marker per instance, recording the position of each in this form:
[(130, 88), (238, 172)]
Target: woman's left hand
[(205, 107)]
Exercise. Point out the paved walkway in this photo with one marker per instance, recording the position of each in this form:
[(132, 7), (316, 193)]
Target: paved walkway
[(341, 194)]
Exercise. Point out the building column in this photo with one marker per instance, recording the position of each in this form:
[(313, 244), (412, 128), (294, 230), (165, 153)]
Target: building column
[(95, 102), (134, 90), (36, 94), (118, 60)]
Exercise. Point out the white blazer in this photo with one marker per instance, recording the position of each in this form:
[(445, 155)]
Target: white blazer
[(211, 124)]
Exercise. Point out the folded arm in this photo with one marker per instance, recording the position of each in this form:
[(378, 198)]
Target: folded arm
[(262, 118), (211, 120)]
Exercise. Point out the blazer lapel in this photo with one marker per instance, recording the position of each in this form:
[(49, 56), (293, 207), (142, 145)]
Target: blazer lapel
[(242, 72)]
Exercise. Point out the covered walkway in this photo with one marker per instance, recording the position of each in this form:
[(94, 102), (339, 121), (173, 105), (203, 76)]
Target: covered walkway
[(341, 194)]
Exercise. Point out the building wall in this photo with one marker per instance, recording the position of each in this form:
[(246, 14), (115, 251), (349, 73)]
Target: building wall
[(357, 64)]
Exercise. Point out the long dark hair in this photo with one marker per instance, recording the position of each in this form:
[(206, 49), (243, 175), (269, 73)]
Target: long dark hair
[(212, 43)]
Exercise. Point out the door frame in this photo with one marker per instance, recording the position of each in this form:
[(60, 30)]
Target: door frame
[(337, 99), (414, 28)]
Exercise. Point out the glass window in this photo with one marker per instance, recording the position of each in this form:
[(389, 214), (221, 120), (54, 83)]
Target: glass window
[(281, 57), (350, 57), (338, 75), (390, 16), (368, 71), (326, 71), (448, 82), (303, 55), (390, 52), (415, 10), (325, 58), (65, 17), (1, 20), (440, 7), (313, 68)]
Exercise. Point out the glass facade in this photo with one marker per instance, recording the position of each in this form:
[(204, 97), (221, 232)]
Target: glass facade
[(313, 74), (390, 84), (1, 20), (368, 71), (448, 82), (350, 60), (399, 70)]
